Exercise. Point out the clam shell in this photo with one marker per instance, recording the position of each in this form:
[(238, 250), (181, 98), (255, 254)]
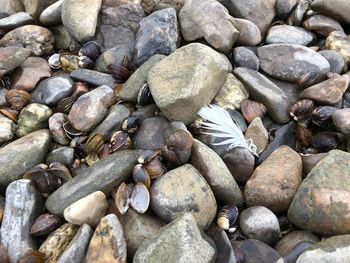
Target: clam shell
[(69, 62), (54, 61), (70, 131), (131, 124), (5, 82), (120, 71), (90, 49), (65, 105), (4, 257), (33, 256), (251, 109), (10, 113), (227, 216), (154, 168), (303, 135), (180, 139), (140, 175), (120, 141), (121, 198), (147, 155), (140, 198), (322, 113), (94, 144), (60, 171), (17, 98), (44, 224), (85, 62), (302, 109)]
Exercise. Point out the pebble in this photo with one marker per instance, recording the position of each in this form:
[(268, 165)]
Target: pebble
[(62, 38), (92, 77), (249, 33), (291, 62), (286, 34), (29, 73), (16, 20), (263, 90), (244, 57), (258, 222), (322, 25), (231, 94), (104, 176), (75, 252), (216, 173), (107, 243), (335, 60), (57, 242), (22, 207), (181, 241), (204, 19), (113, 121), (90, 109), (80, 18), (158, 34), (132, 86), (260, 12), (322, 199), (19, 156), (89, 209), (310, 161), (258, 134), (35, 7), (188, 74), (339, 42), (286, 244), (138, 228), (52, 90), (285, 7), (341, 120), (327, 92), (63, 155), (11, 58), (39, 40), (275, 182), (51, 16), (334, 249), (183, 190), (7, 129), (337, 9), (33, 117), (56, 122)]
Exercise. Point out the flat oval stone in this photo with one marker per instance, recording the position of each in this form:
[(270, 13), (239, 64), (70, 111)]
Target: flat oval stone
[(249, 33), (93, 77), (322, 25), (39, 40), (244, 57), (52, 14), (339, 9), (183, 190), (21, 155), (335, 59), (52, 90), (286, 244), (286, 34), (291, 62), (16, 20), (80, 18), (11, 58), (29, 73)]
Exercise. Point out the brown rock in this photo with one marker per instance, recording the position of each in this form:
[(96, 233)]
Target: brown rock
[(27, 75), (258, 134), (275, 182), (322, 25)]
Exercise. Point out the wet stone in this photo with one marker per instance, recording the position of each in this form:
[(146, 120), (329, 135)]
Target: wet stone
[(180, 241), (52, 14), (244, 57), (322, 25), (285, 7), (204, 19), (339, 9), (335, 60), (19, 156), (29, 73), (258, 134), (286, 34), (249, 33), (285, 245), (158, 34), (341, 119), (63, 155), (11, 58), (75, 252), (16, 20), (339, 42), (107, 243), (93, 77), (52, 90), (310, 161), (7, 129), (183, 190), (37, 39)]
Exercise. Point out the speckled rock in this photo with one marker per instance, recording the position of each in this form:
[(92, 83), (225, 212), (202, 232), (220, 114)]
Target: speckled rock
[(80, 18), (183, 190), (205, 18), (275, 182), (19, 156), (286, 34), (285, 245), (244, 57), (7, 129), (180, 241), (22, 207), (258, 134), (337, 9), (335, 59), (52, 14), (11, 58), (193, 74), (249, 33), (16, 20), (323, 200), (339, 42), (37, 39), (322, 25)]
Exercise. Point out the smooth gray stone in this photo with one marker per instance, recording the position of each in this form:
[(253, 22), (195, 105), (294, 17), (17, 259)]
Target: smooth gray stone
[(103, 175), (23, 205), (11, 58), (113, 121), (52, 14), (75, 252), (244, 57), (286, 34), (52, 90), (63, 155), (338, 9), (335, 59), (322, 25), (263, 90), (93, 77), (249, 33), (16, 20), (21, 155), (284, 8)]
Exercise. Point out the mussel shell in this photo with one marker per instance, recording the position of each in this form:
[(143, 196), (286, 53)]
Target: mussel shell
[(69, 62), (65, 105), (302, 109), (60, 171), (147, 155), (10, 113), (54, 61), (90, 49), (140, 198), (325, 141), (121, 198), (140, 175), (120, 141), (251, 109), (44, 224), (170, 156), (120, 71), (131, 124), (33, 256), (144, 96), (85, 62), (45, 181), (180, 139), (303, 135), (154, 168), (94, 144), (227, 216), (322, 113), (5, 82), (70, 131)]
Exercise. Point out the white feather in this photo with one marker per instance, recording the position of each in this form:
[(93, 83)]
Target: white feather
[(220, 123)]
